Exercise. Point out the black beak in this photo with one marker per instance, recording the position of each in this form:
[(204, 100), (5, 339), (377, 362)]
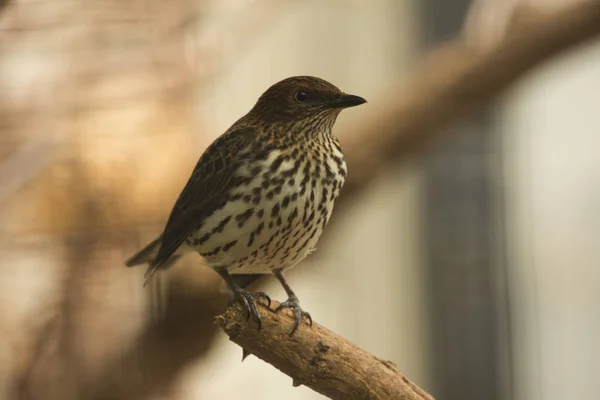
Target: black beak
[(346, 101)]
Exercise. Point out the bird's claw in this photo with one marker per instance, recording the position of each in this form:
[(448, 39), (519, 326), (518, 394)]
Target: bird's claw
[(294, 305), (248, 301)]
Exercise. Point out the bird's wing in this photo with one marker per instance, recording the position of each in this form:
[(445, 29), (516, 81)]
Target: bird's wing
[(206, 190)]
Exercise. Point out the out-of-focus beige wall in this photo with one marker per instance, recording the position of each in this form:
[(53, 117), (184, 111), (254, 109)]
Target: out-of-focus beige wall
[(552, 163), (365, 284)]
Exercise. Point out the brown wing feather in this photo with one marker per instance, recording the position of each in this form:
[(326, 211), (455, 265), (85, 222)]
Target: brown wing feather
[(207, 189)]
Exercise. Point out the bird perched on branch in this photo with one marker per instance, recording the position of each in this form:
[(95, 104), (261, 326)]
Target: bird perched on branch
[(262, 193)]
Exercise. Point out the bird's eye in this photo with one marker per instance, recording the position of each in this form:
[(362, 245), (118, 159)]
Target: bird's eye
[(301, 96)]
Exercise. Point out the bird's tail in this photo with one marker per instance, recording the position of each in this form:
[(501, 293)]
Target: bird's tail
[(147, 255)]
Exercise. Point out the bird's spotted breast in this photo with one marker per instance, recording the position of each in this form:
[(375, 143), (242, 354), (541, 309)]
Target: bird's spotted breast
[(277, 216)]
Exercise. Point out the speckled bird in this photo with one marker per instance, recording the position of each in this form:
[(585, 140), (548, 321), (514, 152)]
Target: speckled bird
[(262, 193)]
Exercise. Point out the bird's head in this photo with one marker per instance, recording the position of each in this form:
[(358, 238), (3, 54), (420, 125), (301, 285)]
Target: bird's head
[(302, 98)]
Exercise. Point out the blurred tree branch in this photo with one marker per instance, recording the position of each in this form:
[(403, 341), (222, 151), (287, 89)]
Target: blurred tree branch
[(164, 348), (318, 358), (3, 4), (455, 80)]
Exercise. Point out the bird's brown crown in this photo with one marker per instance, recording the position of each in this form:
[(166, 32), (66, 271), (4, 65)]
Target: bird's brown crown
[(301, 97)]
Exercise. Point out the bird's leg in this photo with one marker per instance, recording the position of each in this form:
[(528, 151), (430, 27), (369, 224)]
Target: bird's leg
[(247, 299), (292, 302)]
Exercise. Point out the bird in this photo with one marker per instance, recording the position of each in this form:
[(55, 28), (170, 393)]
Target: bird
[(261, 194)]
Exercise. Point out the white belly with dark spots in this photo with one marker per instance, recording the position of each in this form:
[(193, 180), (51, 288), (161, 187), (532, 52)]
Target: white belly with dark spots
[(275, 227)]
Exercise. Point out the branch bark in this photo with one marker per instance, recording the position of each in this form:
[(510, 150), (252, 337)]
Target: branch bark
[(318, 358)]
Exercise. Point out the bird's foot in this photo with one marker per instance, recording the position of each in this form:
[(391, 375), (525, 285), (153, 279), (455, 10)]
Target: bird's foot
[(248, 301), (294, 305)]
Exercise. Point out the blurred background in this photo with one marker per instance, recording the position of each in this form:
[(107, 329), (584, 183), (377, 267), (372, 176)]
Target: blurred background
[(473, 265)]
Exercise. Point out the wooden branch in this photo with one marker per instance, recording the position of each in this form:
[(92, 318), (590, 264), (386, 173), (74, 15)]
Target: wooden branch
[(454, 81), (318, 358)]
